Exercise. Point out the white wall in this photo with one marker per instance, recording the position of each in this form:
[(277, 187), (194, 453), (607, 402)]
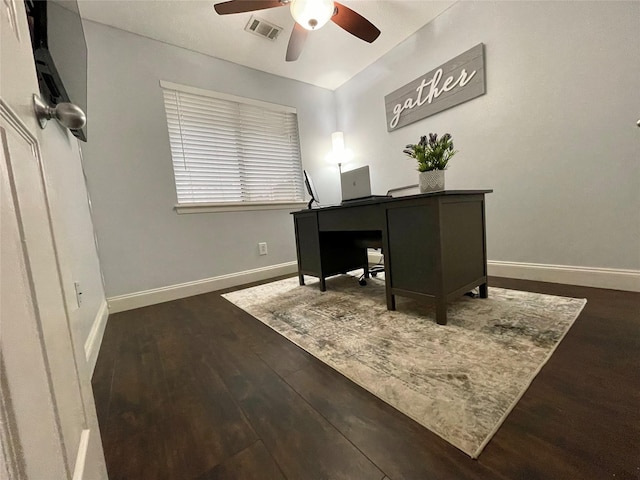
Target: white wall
[(73, 224), (144, 243), (555, 135), (73, 229)]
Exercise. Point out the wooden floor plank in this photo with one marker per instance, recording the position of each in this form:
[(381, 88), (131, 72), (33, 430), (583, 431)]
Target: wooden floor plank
[(136, 432), (285, 422), (207, 424), (253, 463)]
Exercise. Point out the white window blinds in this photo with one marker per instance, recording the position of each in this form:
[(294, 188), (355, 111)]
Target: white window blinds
[(228, 149)]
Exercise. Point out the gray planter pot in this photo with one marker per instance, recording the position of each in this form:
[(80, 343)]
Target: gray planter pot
[(431, 181)]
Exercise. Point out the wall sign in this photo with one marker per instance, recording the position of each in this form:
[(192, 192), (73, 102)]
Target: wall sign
[(455, 82)]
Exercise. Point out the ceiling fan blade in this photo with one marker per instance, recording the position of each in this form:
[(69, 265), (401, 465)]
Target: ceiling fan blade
[(354, 23), (240, 6), (296, 42)]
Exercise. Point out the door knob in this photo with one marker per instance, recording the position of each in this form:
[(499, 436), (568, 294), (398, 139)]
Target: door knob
[(69, 115)]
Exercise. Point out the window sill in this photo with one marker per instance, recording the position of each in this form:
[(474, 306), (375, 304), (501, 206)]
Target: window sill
[(236, 207)]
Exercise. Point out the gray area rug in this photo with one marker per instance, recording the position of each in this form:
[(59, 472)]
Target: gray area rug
[(460, 380)]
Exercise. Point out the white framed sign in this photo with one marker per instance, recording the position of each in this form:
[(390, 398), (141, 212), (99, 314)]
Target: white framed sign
[(459, 80)]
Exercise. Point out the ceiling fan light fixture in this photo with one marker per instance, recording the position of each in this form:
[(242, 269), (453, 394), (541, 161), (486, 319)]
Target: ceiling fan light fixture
[(312, 14)]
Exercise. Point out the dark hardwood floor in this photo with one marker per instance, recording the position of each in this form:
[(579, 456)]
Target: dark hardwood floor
[(198, 389)]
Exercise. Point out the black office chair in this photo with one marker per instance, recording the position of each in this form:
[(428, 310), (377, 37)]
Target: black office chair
[(373, 271), (374, 241)]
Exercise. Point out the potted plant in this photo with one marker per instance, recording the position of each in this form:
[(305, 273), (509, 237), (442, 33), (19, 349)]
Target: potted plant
[(432, 156)]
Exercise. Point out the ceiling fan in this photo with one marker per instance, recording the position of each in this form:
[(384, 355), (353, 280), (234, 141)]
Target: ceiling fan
[(309, 15)]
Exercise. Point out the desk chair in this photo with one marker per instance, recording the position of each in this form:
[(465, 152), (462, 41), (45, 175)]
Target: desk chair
[(374, 241)]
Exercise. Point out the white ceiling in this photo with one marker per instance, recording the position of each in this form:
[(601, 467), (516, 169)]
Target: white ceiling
[(331, 55)]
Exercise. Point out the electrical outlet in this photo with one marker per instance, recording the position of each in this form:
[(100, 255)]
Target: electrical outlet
[(262, 248), (76, 286)]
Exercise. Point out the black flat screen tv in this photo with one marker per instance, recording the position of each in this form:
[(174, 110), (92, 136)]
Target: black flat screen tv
[(60, 53)]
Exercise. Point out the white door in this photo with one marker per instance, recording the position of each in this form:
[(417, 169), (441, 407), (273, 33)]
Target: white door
[(48, 425)]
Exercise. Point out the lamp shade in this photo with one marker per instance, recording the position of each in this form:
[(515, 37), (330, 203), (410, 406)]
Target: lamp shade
[(339, 155), (337, 141), (312, 14)]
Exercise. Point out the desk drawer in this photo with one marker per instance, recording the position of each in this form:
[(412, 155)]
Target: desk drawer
[(351, 219)]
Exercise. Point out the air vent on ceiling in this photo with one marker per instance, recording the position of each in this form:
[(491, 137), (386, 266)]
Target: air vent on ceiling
[(263, 28)]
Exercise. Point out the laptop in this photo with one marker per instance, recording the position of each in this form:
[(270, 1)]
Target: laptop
[(356, 185)]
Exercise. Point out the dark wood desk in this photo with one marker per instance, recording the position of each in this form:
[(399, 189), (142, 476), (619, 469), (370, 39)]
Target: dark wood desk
[(434, 244)]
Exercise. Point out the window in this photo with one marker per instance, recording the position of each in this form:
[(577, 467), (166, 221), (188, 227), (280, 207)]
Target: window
[(232, 151)]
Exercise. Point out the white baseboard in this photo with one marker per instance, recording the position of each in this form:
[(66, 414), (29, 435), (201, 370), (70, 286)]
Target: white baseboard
[(145, 298), (617, 279), (94, 340), (611, 278)]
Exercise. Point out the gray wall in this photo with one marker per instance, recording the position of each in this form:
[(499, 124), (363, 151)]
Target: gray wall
[(71, 214), (554, 136), (144, 243)]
